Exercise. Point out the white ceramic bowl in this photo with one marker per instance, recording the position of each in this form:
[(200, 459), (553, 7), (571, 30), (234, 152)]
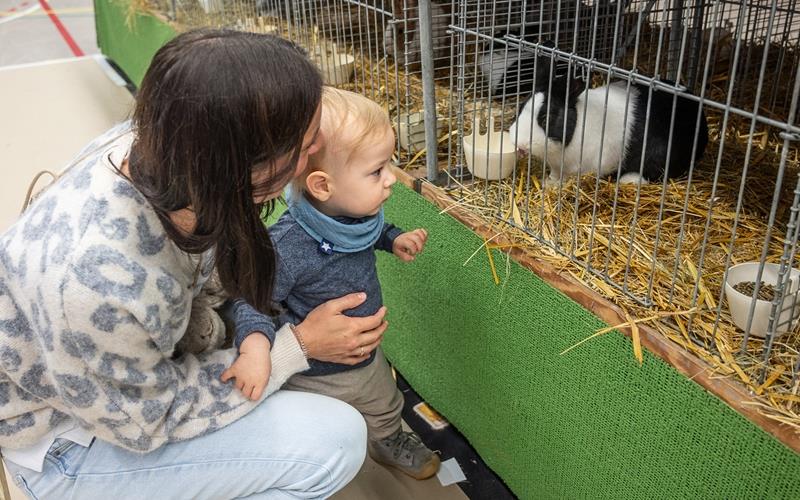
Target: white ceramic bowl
[(270, 29), (336, 68), (739, 303), (484, 157), (411, 131)]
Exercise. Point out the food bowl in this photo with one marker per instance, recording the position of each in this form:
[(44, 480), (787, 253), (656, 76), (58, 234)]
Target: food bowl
[(270, 29), (491, 156), (411, 131), (739, 303), (336, 67)]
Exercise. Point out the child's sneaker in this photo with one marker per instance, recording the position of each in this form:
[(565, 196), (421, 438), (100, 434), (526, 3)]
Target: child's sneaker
[(405, 451)]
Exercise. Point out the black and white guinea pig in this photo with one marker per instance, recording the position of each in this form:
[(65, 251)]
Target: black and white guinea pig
[(507, 71), (554, 116)]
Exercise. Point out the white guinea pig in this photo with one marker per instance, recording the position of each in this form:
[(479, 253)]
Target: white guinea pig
[(563, 125)]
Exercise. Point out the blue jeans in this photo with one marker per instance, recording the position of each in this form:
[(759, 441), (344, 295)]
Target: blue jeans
[(293, 445)]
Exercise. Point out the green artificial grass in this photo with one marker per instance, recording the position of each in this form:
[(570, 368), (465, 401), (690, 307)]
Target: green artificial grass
[(587, 424)]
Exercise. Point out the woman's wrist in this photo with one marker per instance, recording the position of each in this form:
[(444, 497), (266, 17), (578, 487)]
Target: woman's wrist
[(297, 330)]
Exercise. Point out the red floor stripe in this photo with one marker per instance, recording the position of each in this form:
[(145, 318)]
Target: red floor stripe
[(61, 29), (13, 9)]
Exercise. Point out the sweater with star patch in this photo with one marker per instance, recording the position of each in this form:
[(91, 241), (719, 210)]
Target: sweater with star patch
[(309, 275)]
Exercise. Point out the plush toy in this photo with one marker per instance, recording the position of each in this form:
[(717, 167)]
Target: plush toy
[(206, 329)]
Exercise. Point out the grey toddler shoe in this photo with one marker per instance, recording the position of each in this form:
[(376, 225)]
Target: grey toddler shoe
[(406, 452)]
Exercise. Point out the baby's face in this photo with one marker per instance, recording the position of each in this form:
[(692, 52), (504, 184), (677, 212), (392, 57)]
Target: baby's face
[(362, 186)]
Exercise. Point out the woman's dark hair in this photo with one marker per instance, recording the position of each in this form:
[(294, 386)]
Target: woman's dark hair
[(215, 106)]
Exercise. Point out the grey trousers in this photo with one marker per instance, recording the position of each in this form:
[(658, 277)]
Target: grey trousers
[(371, 390)]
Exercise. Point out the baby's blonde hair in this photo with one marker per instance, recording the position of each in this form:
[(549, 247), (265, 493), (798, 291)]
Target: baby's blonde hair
[(349, 121)]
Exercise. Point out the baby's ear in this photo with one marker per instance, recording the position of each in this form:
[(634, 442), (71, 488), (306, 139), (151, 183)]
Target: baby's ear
[(318, 185)]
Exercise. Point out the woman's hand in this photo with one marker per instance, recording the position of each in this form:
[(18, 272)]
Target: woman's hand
[(252, 368), (331, 336)]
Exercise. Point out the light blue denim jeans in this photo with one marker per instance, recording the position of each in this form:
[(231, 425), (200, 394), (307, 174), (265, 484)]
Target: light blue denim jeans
[(293, 445)]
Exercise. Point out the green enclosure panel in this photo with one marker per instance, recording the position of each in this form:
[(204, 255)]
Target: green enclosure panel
[(591, 423), (129, 40)]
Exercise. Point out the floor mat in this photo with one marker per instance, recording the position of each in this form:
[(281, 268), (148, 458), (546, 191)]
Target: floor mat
[(481, 482)]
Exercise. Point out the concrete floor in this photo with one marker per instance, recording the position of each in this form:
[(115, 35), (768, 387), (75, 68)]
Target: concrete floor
[(28, 34), (54, 98)]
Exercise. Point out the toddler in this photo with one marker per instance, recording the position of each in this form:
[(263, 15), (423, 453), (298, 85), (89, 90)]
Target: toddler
[(325, 245)]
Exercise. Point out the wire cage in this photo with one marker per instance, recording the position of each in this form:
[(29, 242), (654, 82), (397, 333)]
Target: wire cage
[(660, 153), (379, 39), (661, 163)]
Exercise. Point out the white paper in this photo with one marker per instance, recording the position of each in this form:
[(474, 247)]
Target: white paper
[(450, 472)]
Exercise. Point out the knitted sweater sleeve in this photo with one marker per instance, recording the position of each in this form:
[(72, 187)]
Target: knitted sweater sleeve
[(93, 299), (114, 362), (247, 319), (388, 234)]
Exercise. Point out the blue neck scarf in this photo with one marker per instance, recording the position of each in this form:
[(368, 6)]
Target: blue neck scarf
[(331, 234)]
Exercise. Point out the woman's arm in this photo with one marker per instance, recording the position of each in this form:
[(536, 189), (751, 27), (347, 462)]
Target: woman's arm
[(122, 383)]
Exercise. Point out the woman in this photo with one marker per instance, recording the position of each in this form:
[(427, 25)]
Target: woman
[(98, 276)]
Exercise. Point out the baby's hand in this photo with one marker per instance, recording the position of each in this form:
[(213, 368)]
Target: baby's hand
[(252, 368), (408, 245)]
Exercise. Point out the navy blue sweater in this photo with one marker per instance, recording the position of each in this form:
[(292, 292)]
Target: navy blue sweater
[(307, 277)]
